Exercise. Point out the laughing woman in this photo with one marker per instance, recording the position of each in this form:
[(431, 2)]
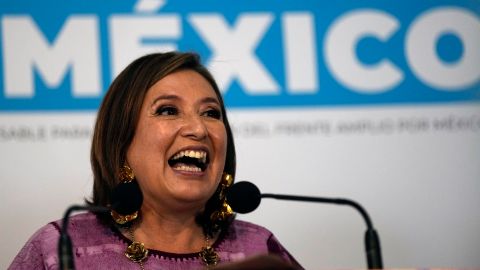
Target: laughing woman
[(162, 157)]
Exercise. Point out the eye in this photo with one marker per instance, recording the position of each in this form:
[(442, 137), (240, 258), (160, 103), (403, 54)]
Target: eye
[(166, 110), (213, 113)]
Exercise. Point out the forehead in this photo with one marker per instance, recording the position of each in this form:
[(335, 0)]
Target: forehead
[(186, 84)]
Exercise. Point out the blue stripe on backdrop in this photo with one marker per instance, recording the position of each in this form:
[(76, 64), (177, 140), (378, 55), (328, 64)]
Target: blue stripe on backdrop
[(62, 55)]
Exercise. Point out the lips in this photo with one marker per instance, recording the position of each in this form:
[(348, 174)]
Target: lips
[(189, 160)]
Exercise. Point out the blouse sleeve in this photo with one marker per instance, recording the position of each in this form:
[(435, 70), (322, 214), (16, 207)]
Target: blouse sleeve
[(39, 252), (274, 247)]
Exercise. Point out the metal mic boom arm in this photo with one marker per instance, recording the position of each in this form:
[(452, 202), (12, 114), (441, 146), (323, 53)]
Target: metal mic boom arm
[(372, 242), (65, 254)]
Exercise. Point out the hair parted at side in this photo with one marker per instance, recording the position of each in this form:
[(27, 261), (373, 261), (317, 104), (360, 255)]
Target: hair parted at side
[(118, 116)]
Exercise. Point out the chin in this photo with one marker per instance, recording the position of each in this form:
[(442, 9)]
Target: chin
[(194, 195)]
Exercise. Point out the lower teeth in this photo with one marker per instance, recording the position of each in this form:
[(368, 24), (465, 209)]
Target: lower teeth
[(188, 169)]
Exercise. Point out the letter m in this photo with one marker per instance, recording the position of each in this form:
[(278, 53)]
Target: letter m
[(26, 50)]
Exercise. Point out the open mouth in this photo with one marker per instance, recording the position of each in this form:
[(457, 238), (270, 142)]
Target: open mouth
[(189, 161)]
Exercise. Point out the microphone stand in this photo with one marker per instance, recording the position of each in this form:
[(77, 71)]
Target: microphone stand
[(372, 242), (65, 253)]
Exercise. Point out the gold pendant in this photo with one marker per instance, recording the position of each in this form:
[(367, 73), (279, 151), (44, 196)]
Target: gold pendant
[(209, 256), (136, 252)]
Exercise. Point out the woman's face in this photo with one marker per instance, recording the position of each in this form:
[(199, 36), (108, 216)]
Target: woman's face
[(179, 147)]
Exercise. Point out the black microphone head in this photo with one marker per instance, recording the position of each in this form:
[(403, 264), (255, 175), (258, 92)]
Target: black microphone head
[(126, 198), (243, 197)]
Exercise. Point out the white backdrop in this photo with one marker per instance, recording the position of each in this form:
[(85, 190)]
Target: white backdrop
[(376, 101), (417, 176)]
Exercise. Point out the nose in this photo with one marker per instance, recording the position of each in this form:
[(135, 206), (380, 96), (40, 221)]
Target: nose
[(194, 128)]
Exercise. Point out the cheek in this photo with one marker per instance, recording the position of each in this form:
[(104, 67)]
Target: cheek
[(140, 144), (221, 141), (222, 149), (147, 145)]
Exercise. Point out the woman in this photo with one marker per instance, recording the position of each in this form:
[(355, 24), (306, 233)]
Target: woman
[(162, 158)]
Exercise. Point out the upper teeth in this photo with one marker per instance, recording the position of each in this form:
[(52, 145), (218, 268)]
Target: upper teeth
[(201, 155)]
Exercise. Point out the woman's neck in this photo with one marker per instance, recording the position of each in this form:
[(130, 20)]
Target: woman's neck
[(174, 232)]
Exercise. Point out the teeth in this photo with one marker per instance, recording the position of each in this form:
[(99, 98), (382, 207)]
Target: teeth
[(201, 155), (187, 168)]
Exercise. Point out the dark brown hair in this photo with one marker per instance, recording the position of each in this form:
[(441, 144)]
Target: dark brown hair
[(119, 113)]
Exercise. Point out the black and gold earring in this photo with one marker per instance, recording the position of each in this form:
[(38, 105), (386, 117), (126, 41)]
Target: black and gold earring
[(225, 211), (126, 198)]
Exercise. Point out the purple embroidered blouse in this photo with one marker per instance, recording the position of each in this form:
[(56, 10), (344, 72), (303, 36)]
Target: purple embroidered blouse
[(97, 246)]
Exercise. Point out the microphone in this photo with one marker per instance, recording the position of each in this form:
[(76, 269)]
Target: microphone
[(65, 253), (125, 199), (244, 197)]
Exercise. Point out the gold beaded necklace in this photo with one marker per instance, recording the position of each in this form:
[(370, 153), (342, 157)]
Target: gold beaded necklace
[(137, 252)]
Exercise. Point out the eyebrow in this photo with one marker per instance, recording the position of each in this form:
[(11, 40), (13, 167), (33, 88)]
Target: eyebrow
[(175, 97), (210, 100), (165, 97)]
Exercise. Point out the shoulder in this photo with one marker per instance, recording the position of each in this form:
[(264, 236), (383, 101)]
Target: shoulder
[(242, 230), (80, 224), (44, 238), (247, 229), (39, 249), (87, 230), (83, 221), (244, 239)]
